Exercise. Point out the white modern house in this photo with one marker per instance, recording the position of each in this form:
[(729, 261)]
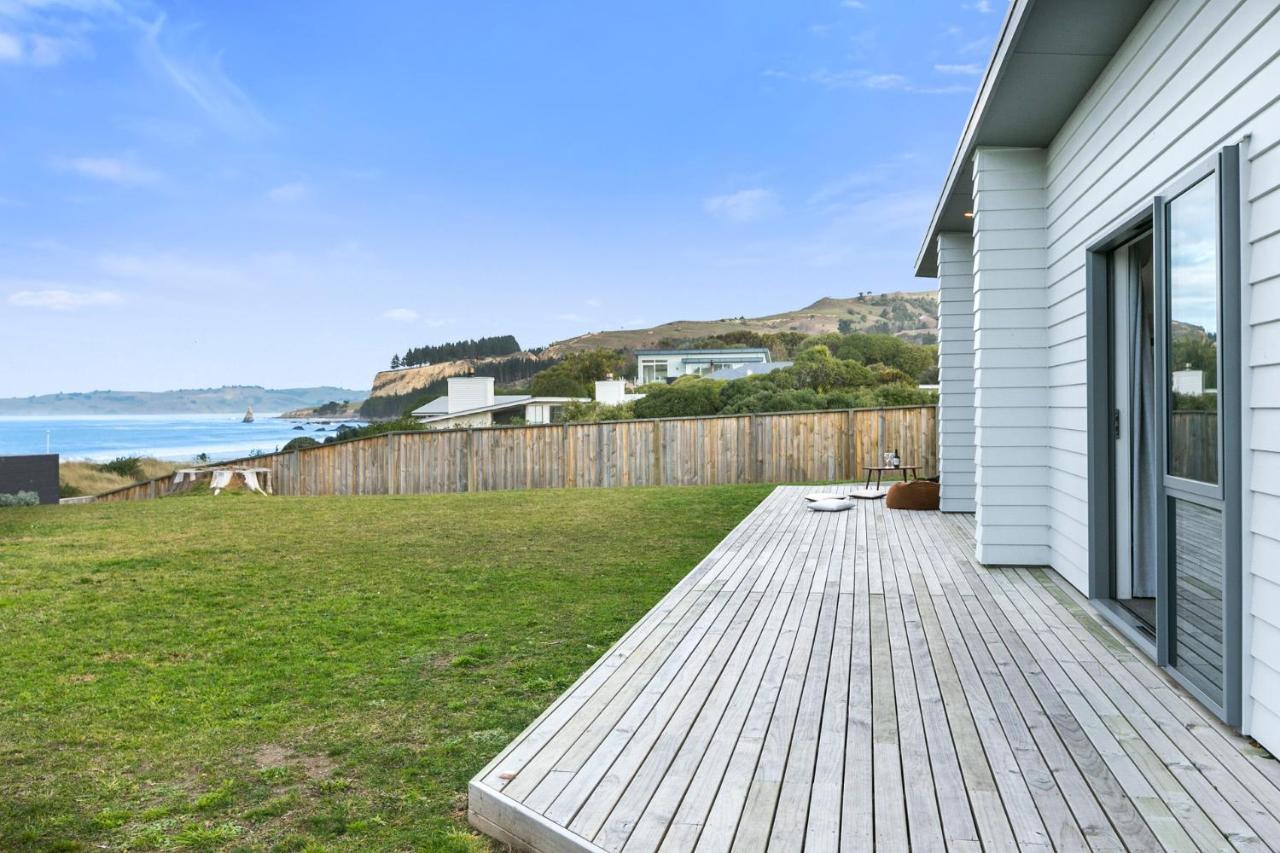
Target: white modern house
[(1107, 249), (613, 392), (666, 365), (472, 403), (742, 371)]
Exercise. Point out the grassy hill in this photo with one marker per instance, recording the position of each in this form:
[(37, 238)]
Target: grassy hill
[(909, 315)]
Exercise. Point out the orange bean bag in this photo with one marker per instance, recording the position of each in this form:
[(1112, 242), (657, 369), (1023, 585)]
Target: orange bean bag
[(918, 494)]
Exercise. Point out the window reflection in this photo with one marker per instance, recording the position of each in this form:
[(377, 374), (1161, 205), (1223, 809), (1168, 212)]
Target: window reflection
[(1193, 333)]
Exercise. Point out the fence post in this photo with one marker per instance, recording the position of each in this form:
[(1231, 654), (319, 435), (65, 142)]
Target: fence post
[(657, 453), (388, 464), (755, 473), (471, 462), (567, 457), (847, 446)]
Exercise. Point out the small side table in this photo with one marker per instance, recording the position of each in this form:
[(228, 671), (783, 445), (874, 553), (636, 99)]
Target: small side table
[(879, 470)]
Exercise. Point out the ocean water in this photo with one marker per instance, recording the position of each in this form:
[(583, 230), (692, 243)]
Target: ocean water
[(101, 438)]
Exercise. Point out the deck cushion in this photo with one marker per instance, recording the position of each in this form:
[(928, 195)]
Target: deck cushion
[(918, 494)]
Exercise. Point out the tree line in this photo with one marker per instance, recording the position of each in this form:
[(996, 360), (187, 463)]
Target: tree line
[(489, 347)]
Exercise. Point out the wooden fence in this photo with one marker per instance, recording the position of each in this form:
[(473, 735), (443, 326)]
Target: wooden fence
[(1193, 445), (765, 448)]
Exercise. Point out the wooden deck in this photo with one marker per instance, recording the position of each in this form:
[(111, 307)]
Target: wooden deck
[(844, 681)]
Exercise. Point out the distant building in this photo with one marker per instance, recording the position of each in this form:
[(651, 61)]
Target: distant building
[(1188, 382), (613, 392), (472, 403), (727, 373), (668, 365), (36, 473)]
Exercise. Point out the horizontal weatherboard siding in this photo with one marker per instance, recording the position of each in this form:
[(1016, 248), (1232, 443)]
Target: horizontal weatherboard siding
[(1191, 78)]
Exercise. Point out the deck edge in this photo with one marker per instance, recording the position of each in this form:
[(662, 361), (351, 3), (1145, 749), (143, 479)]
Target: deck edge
[(518, 826)]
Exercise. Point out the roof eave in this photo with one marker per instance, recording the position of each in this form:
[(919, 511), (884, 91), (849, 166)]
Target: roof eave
[(927, 257)]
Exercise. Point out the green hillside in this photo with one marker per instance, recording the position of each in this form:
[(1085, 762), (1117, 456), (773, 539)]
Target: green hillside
[(228, 398), (911, 315)]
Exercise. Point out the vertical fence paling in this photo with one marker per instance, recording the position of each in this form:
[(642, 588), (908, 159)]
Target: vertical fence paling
[(757, 448)]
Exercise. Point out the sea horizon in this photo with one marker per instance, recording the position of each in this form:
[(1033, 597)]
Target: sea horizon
[(172, 437)]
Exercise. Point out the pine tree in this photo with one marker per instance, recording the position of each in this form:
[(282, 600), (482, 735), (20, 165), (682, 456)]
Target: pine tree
[(395, 361)]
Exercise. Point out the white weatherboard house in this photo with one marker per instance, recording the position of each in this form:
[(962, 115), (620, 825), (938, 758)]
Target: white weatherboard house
[(1107, 247)]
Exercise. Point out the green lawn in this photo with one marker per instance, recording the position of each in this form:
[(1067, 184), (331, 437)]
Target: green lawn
[(306, 673)]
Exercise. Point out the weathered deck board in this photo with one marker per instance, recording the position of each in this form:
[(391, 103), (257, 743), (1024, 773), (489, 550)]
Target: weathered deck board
[(842, 682)]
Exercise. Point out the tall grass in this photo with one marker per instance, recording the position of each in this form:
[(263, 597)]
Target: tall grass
[(91, 478)]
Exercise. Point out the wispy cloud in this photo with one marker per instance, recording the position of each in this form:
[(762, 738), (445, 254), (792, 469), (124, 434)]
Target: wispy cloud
[(288, 193), (47, 32), (747, 205), (854, 4), (61, 298), (871, 80), (201, 76), (870, 230), (44, 33), (10, 48), (170, 270), (400, 315), (966, 43), (971, 69), (115, 170), (982, 6)]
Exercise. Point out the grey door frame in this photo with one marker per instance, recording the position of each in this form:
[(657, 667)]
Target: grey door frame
[(1101, 403)]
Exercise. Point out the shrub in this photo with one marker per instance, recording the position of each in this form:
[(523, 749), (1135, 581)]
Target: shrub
[(402, 424), (911, 359), (125, 466), (581, 413), (554, 382), (302, 442), (903, 394), (19, 499), (816, 368), (688, 396), (574, 376), (886, 375)]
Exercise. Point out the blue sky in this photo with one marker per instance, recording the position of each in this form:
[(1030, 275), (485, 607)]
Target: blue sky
[(284, 194)]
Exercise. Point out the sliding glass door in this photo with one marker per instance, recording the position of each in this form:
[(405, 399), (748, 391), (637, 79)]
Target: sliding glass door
[(1198, 350), (1164, 407)]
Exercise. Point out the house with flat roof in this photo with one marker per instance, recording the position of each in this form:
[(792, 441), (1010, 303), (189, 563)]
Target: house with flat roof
[(744, 370), (1107, 249), (472, 403), (668, 365)]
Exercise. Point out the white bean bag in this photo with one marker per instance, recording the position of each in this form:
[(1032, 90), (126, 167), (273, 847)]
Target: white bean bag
[(831, 505)]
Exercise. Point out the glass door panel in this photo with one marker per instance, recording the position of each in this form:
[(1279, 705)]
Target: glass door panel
[(1193, 333), (1197, 563), (1197, 634)]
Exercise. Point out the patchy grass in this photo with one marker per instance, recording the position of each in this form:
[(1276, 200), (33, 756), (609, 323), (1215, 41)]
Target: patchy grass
[(306, 674)]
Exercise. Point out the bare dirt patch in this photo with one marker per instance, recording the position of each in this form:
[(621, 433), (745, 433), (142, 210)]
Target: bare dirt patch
[(313, 767)]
